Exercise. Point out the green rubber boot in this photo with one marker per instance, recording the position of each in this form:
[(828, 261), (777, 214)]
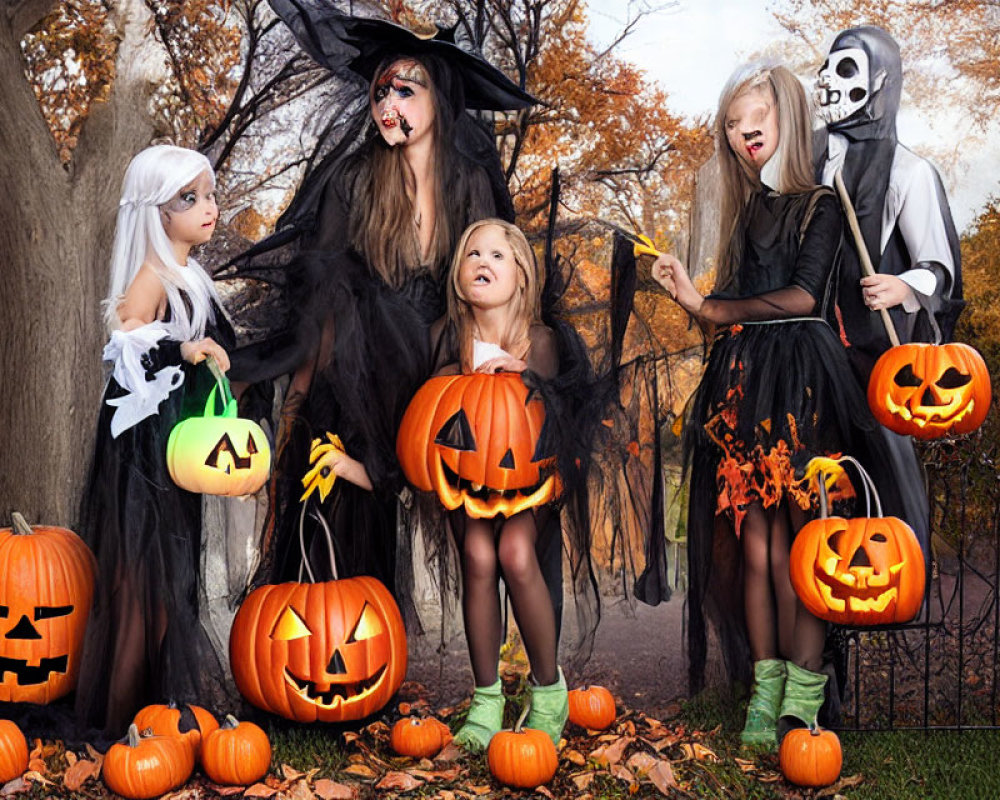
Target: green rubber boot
[(760, 729), (549, 708), (804, 694), (485, 718)]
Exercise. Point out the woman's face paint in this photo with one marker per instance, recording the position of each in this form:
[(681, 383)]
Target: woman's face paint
[(401, 103), (752, 127)]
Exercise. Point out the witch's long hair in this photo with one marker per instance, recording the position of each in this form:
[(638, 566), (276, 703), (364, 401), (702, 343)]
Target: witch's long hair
[(381, 224), (153, 177), (739, 181)]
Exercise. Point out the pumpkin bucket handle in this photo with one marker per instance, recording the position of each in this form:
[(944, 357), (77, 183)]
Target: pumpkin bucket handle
[(870, 491), (225, 392), (302, 546)]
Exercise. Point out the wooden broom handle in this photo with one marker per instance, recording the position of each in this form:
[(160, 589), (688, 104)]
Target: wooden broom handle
[(859, 242)]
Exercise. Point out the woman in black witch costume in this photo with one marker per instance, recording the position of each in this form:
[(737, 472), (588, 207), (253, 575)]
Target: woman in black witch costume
[(777, 390), (373, 226)]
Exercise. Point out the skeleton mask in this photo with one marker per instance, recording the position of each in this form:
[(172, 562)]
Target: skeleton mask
[(842, 87)]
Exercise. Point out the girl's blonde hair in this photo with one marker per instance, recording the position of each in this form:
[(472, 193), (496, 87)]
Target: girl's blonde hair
[(739, 181), (527, 303), (152, 179)]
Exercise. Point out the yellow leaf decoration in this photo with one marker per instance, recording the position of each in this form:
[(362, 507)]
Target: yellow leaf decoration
[(647, 248), (830, 469), (322, 456)]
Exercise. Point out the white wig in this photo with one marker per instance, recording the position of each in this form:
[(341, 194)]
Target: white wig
[(153, 177)]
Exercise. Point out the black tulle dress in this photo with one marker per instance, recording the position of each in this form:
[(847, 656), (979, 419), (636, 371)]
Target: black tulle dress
[(775, 392), (144, 642)]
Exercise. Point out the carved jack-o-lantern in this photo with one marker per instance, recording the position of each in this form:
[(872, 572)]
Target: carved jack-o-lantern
[(46, 585), (929, 391), (222, 455), (324, 652), (478, 441)]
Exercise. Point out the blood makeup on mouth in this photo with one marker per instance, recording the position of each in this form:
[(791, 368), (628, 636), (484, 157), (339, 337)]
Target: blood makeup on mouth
[(753, 142)]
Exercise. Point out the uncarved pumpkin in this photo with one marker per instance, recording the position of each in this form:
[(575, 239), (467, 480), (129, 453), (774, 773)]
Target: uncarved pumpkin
[(219, 454), (319, 652), (524, 757), (46, 587), (810, 757), (187, 723), (236, 753), (929, 391), (141, 767), (13, 751), (478, 441), (419, 737), (592, 707)]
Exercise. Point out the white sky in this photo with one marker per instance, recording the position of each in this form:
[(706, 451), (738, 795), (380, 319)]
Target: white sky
[(692, 47)]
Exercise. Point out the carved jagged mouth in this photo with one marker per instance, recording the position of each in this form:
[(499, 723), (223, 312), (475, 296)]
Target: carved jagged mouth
[(862, 596), (945, 414), (29, 676), (337, 692), (485, 492)]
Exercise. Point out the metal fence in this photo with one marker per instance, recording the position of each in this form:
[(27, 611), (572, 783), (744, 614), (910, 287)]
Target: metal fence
[(943, 670)]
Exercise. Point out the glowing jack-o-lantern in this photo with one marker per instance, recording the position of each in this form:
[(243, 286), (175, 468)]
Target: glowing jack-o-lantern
[(46, 586), (325, 652), (861, 571), (929, 391), (478, 441), (219, 454)]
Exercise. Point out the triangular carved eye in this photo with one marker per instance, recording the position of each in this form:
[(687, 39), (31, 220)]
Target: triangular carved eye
[(906, 377), (290, 626), (456, 433), (507, 462)]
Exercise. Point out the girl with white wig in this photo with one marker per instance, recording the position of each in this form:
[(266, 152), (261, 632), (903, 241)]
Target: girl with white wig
[(144, 643)]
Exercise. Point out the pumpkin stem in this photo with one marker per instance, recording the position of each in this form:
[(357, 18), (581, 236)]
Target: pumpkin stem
[(231, 723), (823, 510), (524, 714), (133, 735), (20, 524)]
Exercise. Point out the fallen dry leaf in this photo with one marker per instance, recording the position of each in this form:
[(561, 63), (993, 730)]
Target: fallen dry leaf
[(583, 780), (15, 786), (446, 794), (37, 777), (362, 771), (575, 757), (225, 791), (450, 752), (37, 765), (290, 773), (260, 790), (79, 773), (400, 781), (350, 736), (641, 763), (622, 773), (627, 728), (299, 791), (326, 789), (612, 753), (478, 790), (542, 790), (71, 757), (437, 775), (746, 764), (36, 750), (662, 777), (698, 752)]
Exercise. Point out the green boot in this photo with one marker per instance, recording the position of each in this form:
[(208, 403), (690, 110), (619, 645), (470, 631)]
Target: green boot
[(765, 700), (485, 718), (549, 708), (804, 694)]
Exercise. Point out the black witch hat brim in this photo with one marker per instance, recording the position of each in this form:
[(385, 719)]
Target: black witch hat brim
[(337, 40)]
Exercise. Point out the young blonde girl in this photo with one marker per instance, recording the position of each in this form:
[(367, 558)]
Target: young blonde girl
[(494, 325), (144, 642), (777, 389)]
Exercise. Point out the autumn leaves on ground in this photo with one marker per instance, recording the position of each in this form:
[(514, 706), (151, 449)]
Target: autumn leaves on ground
[(636, 756)]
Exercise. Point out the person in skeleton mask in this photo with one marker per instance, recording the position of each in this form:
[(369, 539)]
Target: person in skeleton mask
[(907, 228)]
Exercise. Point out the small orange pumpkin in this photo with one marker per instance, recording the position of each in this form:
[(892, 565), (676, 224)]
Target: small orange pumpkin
[(592, 707), (419, 737), (188, 723), (236, 753), (13, 751), (810, 757), (929, 391), (477, 441), (142, 767), (522, 757), (861, 571), (46, 587)]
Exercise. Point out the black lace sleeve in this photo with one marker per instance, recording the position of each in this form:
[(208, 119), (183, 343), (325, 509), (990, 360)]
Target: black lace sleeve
[(543, 354)]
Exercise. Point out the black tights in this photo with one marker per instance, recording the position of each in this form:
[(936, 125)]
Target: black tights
[(484, 555), (778, 626)]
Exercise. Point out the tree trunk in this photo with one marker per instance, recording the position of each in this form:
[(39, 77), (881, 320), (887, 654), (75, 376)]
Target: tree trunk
[(55, 236)]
